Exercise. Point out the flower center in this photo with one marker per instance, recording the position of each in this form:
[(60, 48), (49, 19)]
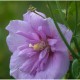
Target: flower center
[(38, 46)]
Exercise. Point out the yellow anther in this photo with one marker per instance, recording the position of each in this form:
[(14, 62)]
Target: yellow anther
[(36, 46)]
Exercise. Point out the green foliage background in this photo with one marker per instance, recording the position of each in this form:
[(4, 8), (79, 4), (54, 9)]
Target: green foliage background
[(11, 10)]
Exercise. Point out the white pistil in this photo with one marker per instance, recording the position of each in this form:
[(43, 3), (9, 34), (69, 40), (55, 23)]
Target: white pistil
[(30, 45)]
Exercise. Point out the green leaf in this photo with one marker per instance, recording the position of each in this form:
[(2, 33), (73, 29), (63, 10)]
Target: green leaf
[(76, 69), (61, 11)]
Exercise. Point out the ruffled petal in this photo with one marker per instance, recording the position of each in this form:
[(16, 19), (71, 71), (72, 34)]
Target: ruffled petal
[(23, 75), (53, 30), (41, 61), (66, 32), (21, 65), (29, 35), (14, 41), (57, 67), (52, 42), (36, 20), (31, 15), (60, 45), (41, 33), (15, 63), (18, 25), (22, 47), (28, 52), (28, 64)]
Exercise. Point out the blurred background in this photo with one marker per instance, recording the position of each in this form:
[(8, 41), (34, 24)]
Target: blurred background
[(11, 10)]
